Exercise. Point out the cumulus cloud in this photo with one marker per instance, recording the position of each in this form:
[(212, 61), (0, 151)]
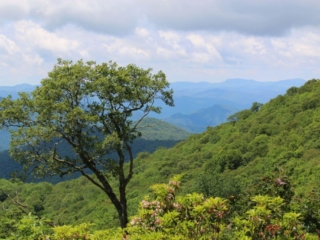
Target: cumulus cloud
[(34, 35), (7, 45)]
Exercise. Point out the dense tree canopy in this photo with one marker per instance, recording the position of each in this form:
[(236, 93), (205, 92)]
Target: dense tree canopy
[(88, 107)]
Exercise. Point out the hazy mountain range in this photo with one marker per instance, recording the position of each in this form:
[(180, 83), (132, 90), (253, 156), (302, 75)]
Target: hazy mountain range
[(198, 105), (199, 120), (14, 90)]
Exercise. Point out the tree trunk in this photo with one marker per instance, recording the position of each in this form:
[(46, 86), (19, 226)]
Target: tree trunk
[(123, 214), (120, 205)]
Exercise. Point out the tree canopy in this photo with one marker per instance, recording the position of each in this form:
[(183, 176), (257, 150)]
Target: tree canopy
[(88, 107)]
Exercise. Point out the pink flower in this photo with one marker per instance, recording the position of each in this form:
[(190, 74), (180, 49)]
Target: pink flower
[(145, 204)]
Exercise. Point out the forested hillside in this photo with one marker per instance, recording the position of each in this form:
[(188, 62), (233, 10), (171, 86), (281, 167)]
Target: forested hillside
[(155, 133), (268, 149), (283, 133), (155, 129)]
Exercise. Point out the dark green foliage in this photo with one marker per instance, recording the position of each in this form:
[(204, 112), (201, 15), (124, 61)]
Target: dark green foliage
[(155, 129), (218, 185), (9, 166), (310, 209), (256, 106)]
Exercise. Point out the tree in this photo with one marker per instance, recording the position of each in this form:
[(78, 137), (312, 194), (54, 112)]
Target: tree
[(88, 108), (256, 106)]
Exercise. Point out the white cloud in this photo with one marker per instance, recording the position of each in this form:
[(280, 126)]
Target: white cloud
[(171, 46), (34, 35), (163, 52), (34, 59), (205, 47), (196, 40), (170, 36), (141, 32), (124, 48), (9, 46)]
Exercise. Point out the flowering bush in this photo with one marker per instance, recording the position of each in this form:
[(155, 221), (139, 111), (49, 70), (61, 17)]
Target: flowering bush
[(192, 216), (267, 220)]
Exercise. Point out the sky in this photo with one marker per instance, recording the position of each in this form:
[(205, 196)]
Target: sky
[(203, 40)]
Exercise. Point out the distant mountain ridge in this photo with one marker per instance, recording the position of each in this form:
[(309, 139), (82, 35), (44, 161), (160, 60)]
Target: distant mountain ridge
[(188, 88), (233, 90), (199, 120), (191, 97), (237, 94), (14, 90)]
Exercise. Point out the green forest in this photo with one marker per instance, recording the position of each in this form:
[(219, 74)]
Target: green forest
[(256, 176)]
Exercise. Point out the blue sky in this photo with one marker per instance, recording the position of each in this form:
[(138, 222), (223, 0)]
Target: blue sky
[(204, 40)]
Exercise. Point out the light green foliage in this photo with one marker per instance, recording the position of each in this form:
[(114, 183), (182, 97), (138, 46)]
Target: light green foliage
[(31, 228), (68, 232), (267, 220), (190, 216)]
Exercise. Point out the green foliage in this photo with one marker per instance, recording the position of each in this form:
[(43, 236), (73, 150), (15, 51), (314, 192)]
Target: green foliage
[(309, 207), (190, 216), (87, 107), (276, 184), (68, 232), (154, 129), (256, 106), (31, 227), (267, 220)]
